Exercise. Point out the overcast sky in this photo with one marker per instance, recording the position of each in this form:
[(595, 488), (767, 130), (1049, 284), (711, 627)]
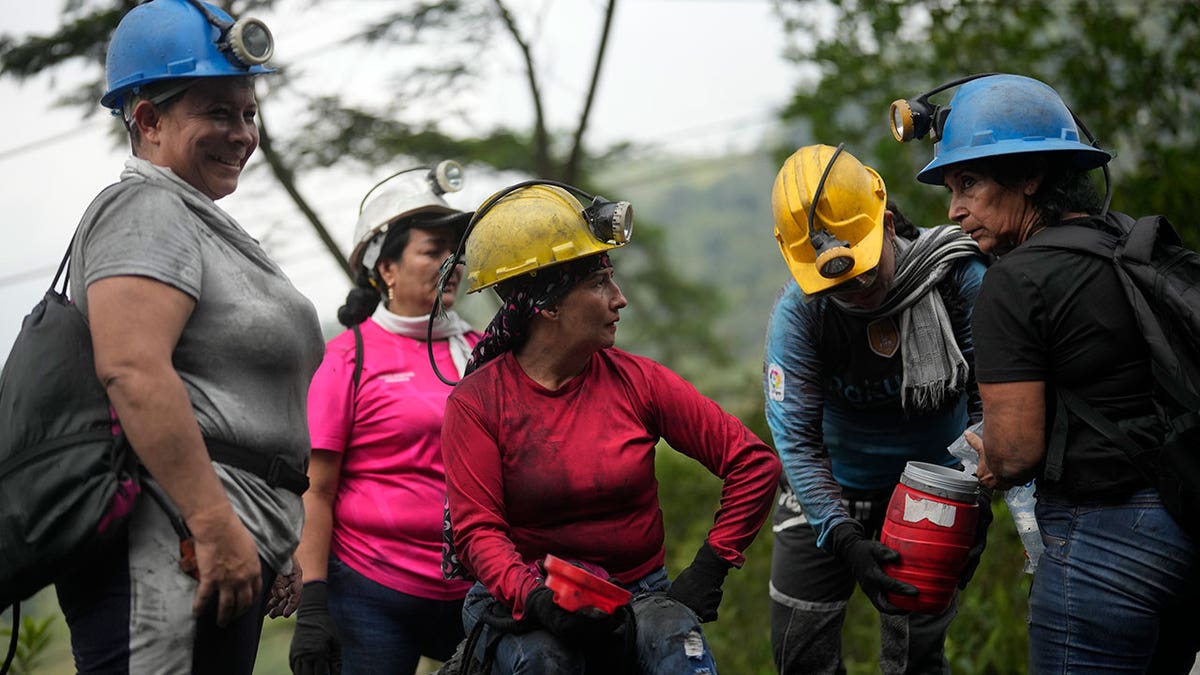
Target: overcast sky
[(687, 76)]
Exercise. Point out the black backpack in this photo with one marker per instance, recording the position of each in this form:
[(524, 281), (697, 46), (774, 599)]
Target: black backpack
[(67, 481), (1161, 279)]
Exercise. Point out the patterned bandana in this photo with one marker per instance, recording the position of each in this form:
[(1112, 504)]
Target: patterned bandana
[(523, 298)]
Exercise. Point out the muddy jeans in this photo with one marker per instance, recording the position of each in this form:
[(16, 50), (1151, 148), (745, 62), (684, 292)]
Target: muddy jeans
[(669, 638), (810, 590)]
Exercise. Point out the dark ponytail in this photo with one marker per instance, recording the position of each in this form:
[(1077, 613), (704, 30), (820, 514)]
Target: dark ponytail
[(904, 227), (361, 302)]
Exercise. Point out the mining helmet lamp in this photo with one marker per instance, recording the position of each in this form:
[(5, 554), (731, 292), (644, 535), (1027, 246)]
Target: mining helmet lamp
[(914, 118), (246, 41), (444, 178), (833, 256), (447, 176), (611, 222)]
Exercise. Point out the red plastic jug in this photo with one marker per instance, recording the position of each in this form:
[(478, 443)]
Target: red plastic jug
[(930, 522)]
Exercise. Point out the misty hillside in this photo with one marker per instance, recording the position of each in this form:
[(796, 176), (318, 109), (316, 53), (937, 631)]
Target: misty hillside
[(716, 213)]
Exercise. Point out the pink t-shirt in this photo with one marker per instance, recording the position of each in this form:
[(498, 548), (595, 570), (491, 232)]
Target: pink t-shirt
[(387, 517)]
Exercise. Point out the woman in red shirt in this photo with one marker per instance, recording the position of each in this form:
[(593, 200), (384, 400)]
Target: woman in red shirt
[(549, 446)]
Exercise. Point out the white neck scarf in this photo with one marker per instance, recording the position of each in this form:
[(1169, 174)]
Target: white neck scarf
[(446, 326)]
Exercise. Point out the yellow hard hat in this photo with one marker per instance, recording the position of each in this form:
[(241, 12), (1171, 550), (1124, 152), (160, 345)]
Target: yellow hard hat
[(519, 231), (845, 235)]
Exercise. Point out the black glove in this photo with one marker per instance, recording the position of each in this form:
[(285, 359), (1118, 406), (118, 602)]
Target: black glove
[(699, 585), (976, 550), (864, 557), (570, 626), (315, 646)]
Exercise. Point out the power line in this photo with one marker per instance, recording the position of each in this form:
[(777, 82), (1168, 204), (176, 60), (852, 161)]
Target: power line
[(42, 142), (27, 275)]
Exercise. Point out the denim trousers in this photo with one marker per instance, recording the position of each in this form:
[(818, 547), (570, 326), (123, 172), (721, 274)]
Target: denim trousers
[(385, 631), (1115, 591), (669, 638)]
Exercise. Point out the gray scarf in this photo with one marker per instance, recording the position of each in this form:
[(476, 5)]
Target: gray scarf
[(934, 367)]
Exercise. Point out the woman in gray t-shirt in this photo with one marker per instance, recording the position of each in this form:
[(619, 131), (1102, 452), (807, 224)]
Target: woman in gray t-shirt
[(205, 350)]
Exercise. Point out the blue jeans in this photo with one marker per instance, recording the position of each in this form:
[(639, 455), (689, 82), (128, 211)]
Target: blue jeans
[(386, 631), (669, 638), (1115, 590)]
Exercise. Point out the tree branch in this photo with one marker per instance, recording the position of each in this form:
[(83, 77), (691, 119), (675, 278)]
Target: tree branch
[(571, 171), (541, 142), (287, 179)]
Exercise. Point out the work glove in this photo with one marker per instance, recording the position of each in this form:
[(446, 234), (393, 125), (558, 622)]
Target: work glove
[(698, 586), (315, 647), (976, 550), (579, 626), (865, 556)]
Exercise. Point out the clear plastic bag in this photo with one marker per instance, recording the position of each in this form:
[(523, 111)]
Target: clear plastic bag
[(1020, 500)]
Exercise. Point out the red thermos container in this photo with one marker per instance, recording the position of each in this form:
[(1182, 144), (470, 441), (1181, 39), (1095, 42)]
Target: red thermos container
[(931, 521)]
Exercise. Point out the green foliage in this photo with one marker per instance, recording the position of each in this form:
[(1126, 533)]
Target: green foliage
[(33, 641), (741, 637), (1132, 74)]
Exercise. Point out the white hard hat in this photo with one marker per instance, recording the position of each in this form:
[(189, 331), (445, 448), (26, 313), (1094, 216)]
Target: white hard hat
[(413, 191)]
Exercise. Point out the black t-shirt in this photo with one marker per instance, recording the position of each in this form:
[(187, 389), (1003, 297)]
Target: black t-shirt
[(1061, 317)]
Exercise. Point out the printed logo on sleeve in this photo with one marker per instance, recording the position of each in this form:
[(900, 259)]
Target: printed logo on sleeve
[(775, 382)]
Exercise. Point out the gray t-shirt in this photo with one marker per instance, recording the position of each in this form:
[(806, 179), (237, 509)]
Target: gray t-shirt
[(250, 347)]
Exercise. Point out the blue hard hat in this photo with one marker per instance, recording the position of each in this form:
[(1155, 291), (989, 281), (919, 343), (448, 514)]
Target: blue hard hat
[(1007, 115), (173, 39)]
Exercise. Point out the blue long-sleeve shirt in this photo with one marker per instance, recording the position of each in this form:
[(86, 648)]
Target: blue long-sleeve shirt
[(833, 397)]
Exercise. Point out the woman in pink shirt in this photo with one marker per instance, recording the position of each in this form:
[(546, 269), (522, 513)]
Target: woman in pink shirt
[(374, 598)]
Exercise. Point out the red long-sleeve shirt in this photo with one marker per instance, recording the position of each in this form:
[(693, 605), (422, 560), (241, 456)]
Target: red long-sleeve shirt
[(570, 472)]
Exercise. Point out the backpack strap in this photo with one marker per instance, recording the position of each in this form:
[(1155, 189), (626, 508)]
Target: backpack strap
[(1077, 238), (358, 358), (1056, 448), (1094, 419), (13, 638), (62, 267), (1087, 241)]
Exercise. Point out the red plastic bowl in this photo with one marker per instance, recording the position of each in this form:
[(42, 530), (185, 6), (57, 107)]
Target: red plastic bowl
[(575, 588)]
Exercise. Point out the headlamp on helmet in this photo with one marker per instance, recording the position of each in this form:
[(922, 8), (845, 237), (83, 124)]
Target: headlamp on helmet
[(914, 118), (167, 40), (246, 41), (447, 176), (834, 257), (997, 114), (404, 195), (611, 222)]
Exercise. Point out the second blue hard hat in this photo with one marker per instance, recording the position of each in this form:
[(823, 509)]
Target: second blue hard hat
[(1005, 115)]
